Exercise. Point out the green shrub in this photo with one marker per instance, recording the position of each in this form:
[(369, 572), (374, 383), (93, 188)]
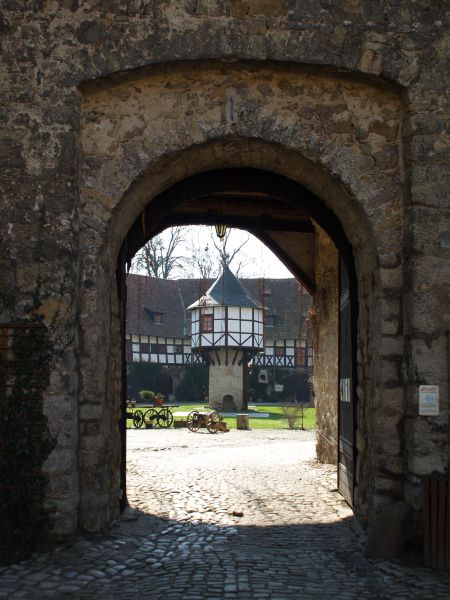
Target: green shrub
[(146, 395)]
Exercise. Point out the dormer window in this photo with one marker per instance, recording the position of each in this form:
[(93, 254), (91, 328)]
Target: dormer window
[(155, 316)]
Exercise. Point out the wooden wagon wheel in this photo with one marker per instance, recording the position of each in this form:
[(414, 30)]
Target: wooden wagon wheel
[(212, 420), (138, 418), (150, 416), (164, 418), (193, 421)]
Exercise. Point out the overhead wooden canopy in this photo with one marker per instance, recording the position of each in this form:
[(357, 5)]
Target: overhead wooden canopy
[(245, 210), (277, 210)]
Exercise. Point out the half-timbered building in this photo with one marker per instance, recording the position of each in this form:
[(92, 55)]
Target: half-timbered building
[(179, 323), (227, 331)]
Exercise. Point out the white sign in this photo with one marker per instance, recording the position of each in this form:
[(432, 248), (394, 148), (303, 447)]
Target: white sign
[(344, 386), (428, 400)]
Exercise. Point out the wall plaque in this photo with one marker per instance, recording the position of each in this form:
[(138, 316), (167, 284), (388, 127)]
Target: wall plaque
[(428, 400)]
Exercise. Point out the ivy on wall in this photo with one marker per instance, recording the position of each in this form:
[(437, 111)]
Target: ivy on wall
[(25, 443)]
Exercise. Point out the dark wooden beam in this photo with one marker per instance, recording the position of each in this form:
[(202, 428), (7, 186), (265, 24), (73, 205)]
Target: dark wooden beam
[(238, 181), (239, 222), (295, 269)]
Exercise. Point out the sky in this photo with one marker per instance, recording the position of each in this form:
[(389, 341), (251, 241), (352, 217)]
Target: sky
[(256, 259)]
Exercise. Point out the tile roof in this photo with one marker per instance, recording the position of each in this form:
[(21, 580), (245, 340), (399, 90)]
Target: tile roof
[(227, 290), (286, 299), (150, 295), (147, 296)]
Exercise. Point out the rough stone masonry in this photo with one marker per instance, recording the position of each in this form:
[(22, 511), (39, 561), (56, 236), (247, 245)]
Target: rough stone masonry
[(106, 104)]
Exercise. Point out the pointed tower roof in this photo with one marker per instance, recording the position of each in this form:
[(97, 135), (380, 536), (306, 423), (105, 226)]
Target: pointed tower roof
[(227, 290)]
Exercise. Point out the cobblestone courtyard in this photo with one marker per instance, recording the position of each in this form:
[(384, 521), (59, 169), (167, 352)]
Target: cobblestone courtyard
[(236, 515)]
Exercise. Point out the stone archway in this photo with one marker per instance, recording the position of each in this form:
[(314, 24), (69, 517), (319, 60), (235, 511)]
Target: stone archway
[(273, 207), (339, 137)]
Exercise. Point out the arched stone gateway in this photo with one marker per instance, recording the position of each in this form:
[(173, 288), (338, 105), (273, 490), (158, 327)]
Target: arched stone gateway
[(315, 132), (110, 126)]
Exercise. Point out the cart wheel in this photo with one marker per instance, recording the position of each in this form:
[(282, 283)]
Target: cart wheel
[(165, 418), (212, 420), (193, 421), (138, 418), (151, 417)]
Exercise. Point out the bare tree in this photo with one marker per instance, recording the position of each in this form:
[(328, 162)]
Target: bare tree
[(226, 256), (182, 251), (199, 262), (203, 261), (160, 256), (203, 264)]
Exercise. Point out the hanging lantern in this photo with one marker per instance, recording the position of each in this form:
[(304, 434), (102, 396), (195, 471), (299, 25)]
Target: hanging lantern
[(220, 231)]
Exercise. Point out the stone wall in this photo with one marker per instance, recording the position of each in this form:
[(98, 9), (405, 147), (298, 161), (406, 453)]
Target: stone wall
[(106, 104), (324, 321), (225, 380)]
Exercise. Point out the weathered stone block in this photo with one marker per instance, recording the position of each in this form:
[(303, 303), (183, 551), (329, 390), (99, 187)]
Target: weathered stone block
[(88, 411), (392, 345), (388, 486), (94, 440), (393, 402), (59, 406), (61, 460), (390, 532), (64, 505), (428, 463), (62, 525), (26, 277), (392, 465), (63, 486)]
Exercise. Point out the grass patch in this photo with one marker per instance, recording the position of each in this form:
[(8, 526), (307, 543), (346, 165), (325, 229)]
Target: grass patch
[(275, 420)]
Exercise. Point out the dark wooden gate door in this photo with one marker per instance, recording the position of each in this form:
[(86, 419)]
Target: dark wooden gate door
[(346, 454), (122, 294)]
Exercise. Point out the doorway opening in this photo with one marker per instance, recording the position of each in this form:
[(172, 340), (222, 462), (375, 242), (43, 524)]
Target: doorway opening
[(289, 219)]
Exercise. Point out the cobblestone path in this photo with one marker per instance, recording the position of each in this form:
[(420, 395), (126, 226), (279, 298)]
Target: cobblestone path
[(246, 515)]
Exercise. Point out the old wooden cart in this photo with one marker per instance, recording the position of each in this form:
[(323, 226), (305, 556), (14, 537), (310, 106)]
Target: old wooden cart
[(154, 416), (211, 421)]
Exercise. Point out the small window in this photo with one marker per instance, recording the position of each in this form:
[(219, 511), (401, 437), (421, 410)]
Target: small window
[(269, 321), (145, 348), (206, 323), (178, 349), (158, 318), (279, 351), (158, 348), (300, 356)]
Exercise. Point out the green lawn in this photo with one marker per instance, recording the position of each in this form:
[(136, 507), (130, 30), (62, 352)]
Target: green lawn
[(276, 419)]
